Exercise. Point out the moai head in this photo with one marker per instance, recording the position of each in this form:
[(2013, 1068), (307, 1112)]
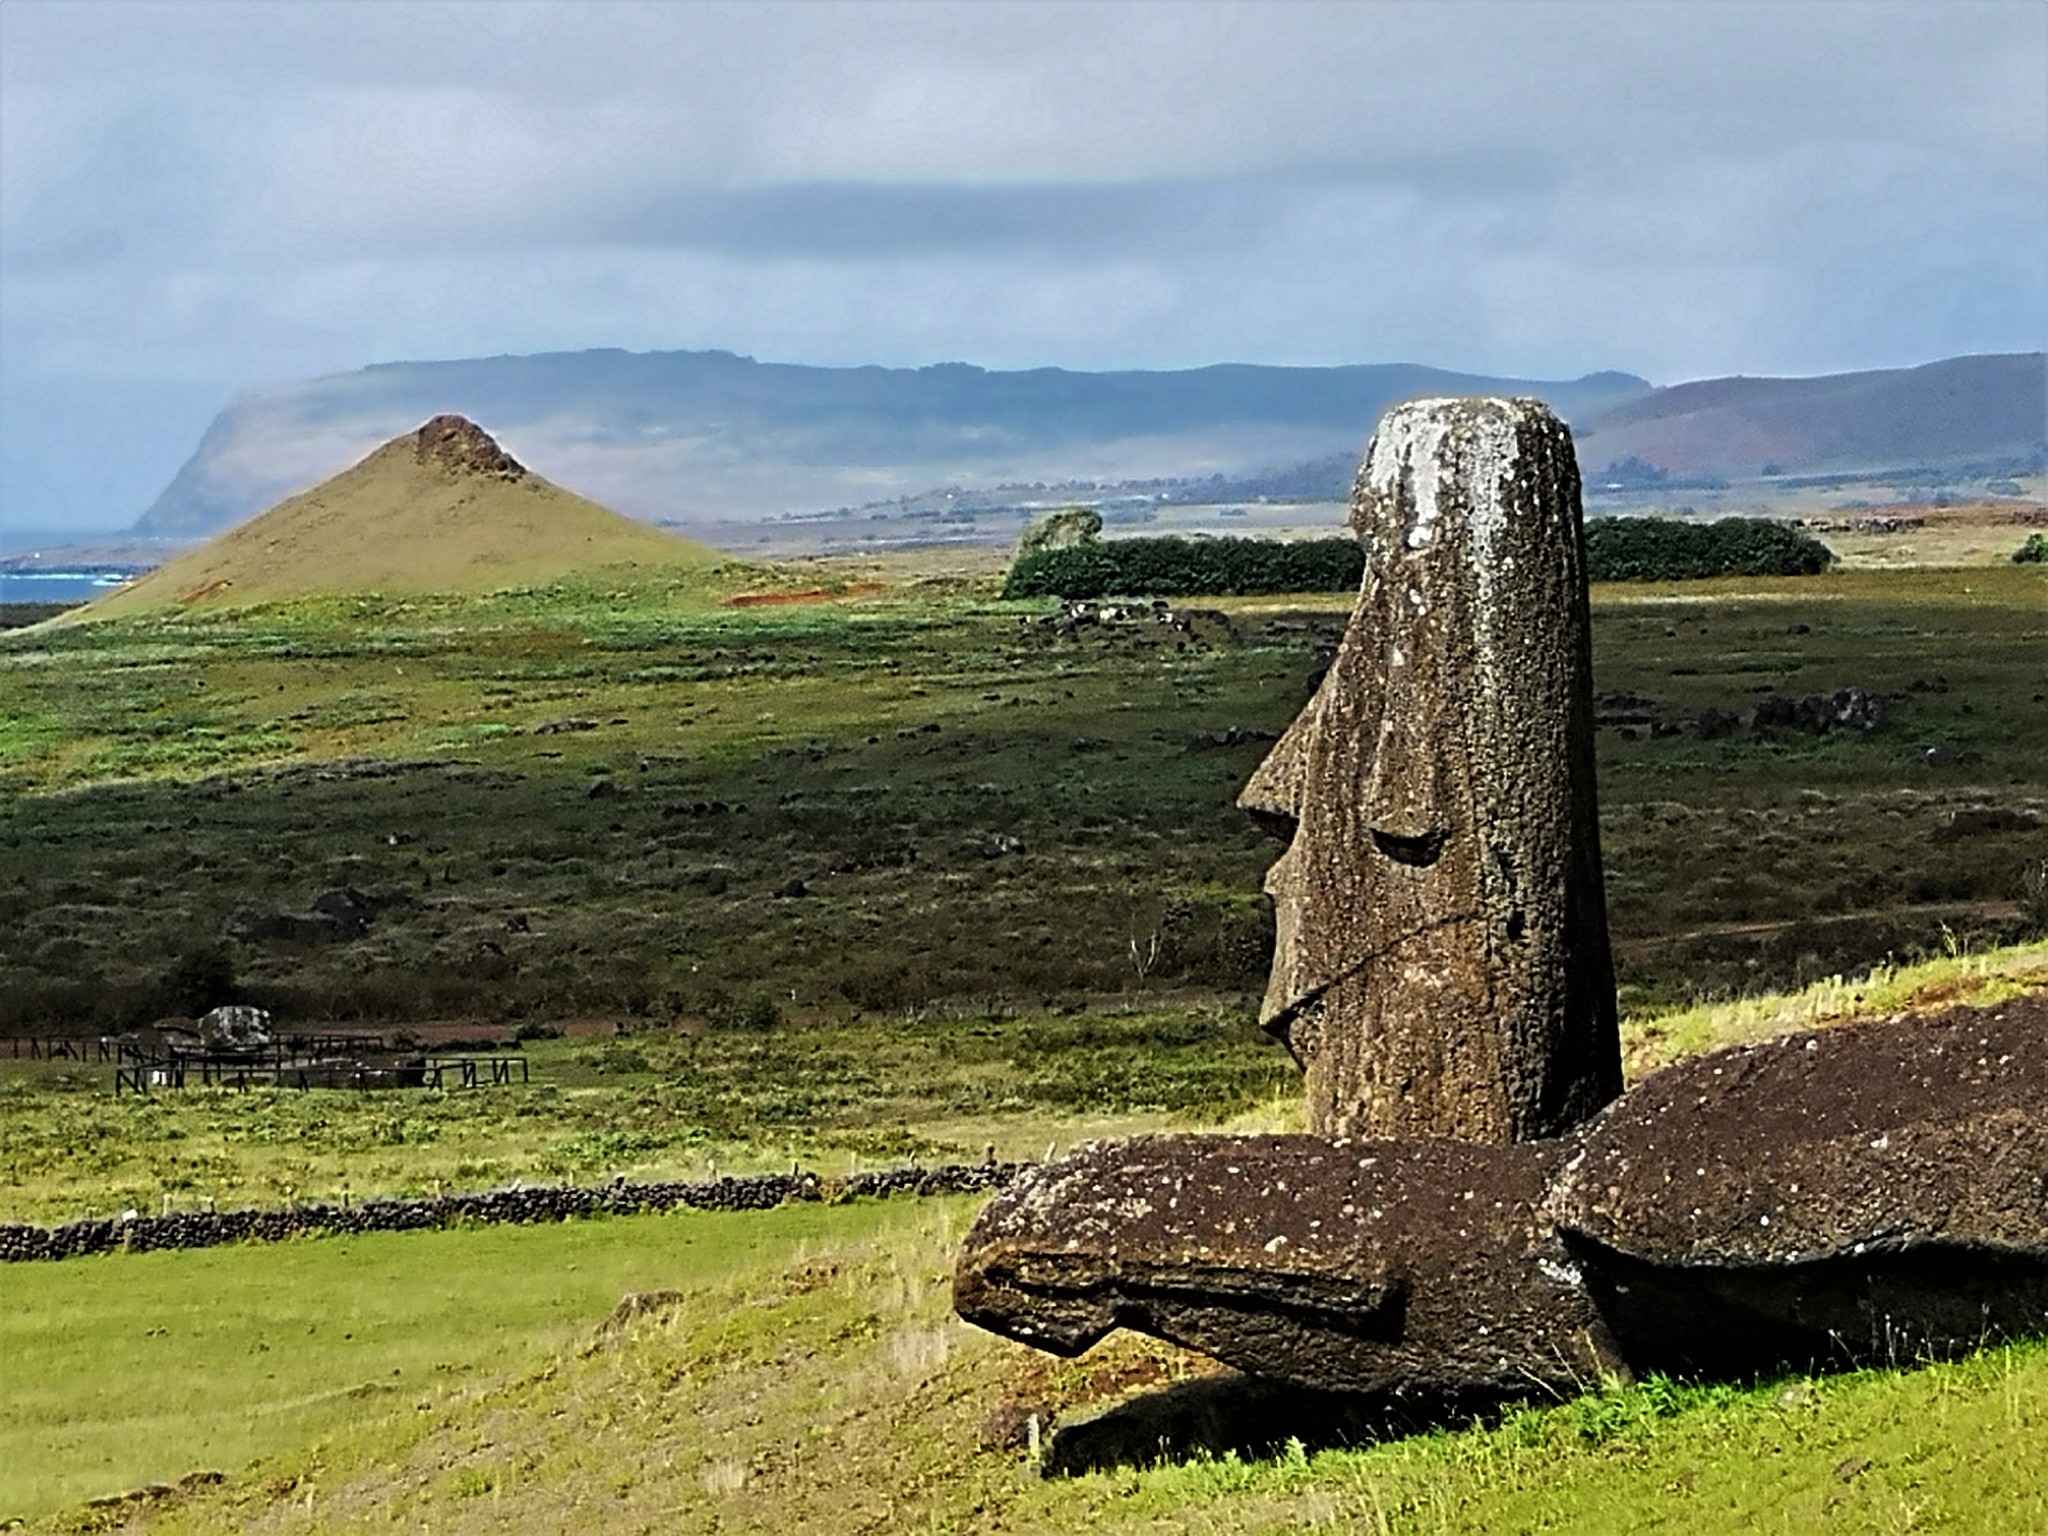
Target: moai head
[(1442, 965)]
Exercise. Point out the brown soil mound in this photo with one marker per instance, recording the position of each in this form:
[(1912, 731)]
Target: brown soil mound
[(459, 446)]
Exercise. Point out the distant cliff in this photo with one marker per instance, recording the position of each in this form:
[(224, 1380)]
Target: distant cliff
[(708, 435)]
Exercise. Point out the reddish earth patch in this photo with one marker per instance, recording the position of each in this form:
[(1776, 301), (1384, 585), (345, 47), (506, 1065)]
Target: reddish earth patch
[(211, 589), (1972, 512), (812, 595)]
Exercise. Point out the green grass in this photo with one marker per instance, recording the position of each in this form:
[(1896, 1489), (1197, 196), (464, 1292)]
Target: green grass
[(139, 1368), (1951, 1446), (1059, 839), (834, 1392), (655, 1104), (833, 1095), (1037, 812), (811, 1373)]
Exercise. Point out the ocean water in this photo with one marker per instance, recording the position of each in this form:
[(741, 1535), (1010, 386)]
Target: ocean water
[(54, 586)]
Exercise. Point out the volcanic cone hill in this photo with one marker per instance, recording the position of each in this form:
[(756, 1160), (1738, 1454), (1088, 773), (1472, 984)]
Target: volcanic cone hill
[(440, 509)]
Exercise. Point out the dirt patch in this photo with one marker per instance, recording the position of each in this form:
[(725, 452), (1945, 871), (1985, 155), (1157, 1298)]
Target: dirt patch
[(809, 595)]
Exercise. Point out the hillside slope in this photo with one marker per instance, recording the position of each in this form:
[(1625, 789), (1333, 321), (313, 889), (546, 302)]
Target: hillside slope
[(1961, 408), (440, 509)]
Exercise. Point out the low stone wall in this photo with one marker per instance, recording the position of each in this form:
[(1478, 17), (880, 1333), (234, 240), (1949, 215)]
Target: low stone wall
[(557, 1202)]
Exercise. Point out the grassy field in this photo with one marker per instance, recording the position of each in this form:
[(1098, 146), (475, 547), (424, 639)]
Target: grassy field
[(832, 1391), (804, 1371), (834, 1096), (883, 873), (141, 1368), (641, 805)]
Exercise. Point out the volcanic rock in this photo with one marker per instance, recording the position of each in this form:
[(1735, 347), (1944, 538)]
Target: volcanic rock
[(1367, 1265), (457, 446), (1442, 964), (1869, 1194), (235, 1027), (1846, 709)]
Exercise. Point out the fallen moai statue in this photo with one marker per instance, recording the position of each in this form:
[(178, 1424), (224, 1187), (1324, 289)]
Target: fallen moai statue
[(1872, 1193)]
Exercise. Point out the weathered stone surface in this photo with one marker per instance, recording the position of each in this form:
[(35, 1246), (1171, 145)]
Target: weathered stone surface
[(1442, 965), (1870, 1192), (235, 1027), (1371, 1265), (1863, 1195), (459, 446)]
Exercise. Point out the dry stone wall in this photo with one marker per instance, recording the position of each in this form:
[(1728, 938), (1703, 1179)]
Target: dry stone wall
[(557, 1202)]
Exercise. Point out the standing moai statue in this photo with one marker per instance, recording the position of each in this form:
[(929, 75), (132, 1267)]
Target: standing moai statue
[(1442, 965), (1443, 976)]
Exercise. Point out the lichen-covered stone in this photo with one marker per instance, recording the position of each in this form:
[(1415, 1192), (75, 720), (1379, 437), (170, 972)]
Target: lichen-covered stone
[(1866, 1195), (1368, 1265), (1442, 965), (1877, 1191)]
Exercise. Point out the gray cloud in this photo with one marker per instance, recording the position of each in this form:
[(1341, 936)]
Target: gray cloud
[(195, 196)]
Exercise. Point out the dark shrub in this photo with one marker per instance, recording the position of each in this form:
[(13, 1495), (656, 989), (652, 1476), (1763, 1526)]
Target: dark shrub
[(199, 981), (1168, 567), (1660, 549)]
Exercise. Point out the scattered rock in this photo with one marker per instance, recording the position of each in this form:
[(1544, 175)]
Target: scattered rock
[(1712, 724), (1846, 709), (253, 927), (461, 447), (1231, 736), (342, 912), (1983, 821), (235, 1027), (1880, 523)]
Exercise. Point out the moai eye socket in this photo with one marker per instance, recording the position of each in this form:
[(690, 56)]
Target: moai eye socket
[(1418, 851)]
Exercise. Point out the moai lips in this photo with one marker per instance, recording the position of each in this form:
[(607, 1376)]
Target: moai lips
[(1442, 965)]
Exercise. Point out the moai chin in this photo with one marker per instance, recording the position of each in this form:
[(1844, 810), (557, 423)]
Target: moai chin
[(1442, 965)]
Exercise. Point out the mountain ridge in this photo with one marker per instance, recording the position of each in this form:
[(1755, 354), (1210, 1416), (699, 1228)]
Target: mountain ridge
[(697, 435), (717, 436)]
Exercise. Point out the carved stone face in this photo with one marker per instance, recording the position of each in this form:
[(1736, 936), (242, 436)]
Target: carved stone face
[(1441, 926)]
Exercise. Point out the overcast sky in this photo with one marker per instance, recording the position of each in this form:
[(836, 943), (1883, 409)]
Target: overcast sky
[(200, 197)]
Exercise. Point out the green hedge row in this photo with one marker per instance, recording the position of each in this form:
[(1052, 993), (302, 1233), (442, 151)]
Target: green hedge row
[(1657, 549), (1187, 568), (1617, 549)]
